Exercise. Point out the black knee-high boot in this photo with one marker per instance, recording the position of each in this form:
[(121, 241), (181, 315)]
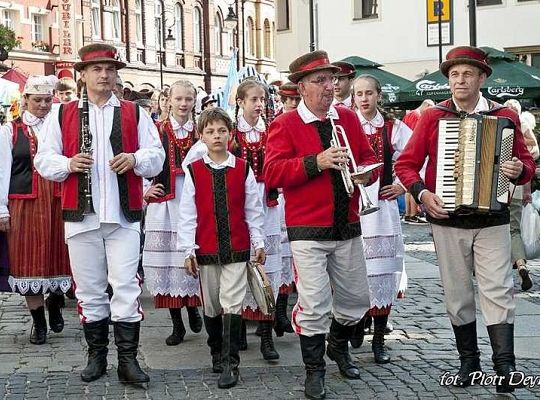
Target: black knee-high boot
[(282, 323), (501, 337), (230, 359), (97, 338), (267, 343), (242, 345), (179, 331), (338, 349), (313, 348), (377, 345), (194, 318), (55, 303), (39, 327), (126, 337), (214, 328), (469, 355)]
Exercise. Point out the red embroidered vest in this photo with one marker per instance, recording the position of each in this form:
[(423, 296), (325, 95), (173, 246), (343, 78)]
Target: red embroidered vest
[(175, 152), (222, 232), (124, 139), (381, 142)]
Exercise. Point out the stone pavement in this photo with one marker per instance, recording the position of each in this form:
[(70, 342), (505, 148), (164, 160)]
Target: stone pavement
[(421, 345)]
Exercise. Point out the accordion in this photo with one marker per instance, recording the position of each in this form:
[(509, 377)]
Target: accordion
[(469, 154)]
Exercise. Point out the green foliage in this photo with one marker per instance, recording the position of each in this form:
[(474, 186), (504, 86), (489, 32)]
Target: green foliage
[(8, 40)]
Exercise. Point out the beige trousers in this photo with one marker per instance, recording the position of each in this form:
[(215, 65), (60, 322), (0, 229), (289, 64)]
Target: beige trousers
[(331, 277), (223, 287), (487, 252)]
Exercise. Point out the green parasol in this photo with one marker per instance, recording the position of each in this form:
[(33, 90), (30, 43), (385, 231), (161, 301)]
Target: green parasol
[(391, 84)]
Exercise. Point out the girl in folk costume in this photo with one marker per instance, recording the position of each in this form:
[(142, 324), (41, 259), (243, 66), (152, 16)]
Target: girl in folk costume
[(248, 142), (381, 231), (165, 275), (31, 214), (290, 99)]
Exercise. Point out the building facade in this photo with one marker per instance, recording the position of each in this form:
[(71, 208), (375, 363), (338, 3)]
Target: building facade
[(396, 33), (160, 40)]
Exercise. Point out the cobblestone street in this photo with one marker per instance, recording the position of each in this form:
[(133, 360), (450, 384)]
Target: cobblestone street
[(421, 345)]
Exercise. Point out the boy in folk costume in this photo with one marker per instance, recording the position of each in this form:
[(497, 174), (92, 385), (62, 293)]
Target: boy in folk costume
[(343, 80), (249, 143), (165, 276), (220, 211), (103, 245)]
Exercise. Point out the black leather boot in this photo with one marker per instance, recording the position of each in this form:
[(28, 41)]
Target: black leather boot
[(179, 331), (214, 329), (97, 337), (313, 356), (377, 345), (126, 337), (338, 349), (357, 337), (243, 336), (194, 318), (55, 303), (501, 337), (38, 334), (230, 358), (469, 355), (267, 343), (282, 323)]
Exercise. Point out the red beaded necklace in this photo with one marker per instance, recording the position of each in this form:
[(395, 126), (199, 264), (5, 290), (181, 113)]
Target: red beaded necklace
[(252, 149)]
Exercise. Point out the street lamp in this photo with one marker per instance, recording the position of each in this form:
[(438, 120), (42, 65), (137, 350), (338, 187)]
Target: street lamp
[(231, 22), (169, 38)]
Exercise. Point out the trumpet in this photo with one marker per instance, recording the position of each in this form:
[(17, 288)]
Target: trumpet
[(350, 169)]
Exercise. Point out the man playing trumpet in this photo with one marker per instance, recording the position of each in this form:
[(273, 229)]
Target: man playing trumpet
[(322, 219)]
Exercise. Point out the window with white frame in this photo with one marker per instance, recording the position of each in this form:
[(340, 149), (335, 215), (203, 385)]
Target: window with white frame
[(7, 19), (218, 31), (96, 18), (158, 23), (481, 3), (115, 20), (138, 22), (197, 32), (178, 27), (364, 9), (249, 36), (37, 28)]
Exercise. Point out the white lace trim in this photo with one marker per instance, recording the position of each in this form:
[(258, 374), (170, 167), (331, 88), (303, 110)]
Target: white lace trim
[(287, 276), (39, 285), (383, 289), (173, 281)]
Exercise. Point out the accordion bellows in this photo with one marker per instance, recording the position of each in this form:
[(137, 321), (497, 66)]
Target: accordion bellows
[(469, 155)]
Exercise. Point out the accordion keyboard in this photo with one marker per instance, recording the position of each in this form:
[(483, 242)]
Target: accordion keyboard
[(447, 146)]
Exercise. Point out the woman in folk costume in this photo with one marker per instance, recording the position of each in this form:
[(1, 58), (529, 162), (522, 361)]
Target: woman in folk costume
[(248, 142), (381, 230), (290, 99), (31, 215), (165, 275)]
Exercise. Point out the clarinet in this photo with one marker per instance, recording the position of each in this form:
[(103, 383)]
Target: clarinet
[(86, 148)]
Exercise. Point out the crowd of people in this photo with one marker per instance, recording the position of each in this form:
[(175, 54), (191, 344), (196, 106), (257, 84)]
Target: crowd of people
[(102, 189)]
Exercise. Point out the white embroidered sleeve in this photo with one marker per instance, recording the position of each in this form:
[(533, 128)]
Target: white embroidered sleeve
[(150, 156), (49, 160)]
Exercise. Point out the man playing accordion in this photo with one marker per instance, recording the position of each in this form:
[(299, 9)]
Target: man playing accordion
[(476, 242)]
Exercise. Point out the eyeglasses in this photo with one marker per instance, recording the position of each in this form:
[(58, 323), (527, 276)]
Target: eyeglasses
[(323, 80)]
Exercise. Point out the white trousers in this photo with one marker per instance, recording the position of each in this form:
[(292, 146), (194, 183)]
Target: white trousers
[(331, 277), (223, 287), (487, 252), (109, 254)]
